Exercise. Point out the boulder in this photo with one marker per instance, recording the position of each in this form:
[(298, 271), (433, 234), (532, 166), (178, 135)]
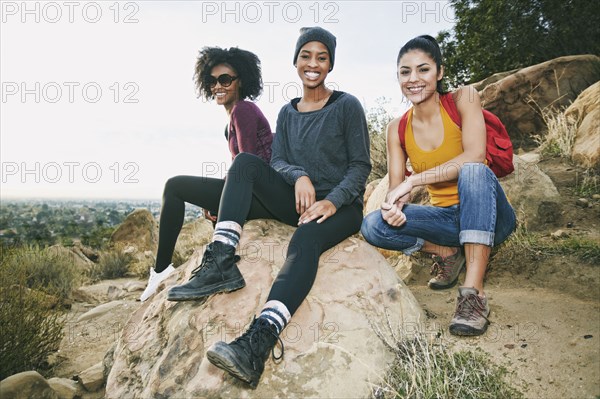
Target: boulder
[(64, 388), (192, 236), (138, 236), (419, 195), (101, 310), (370, 188), (26, 385), (92, 378), (585, 113), (533, 195), (331, 347), (74, 254), (518, 98)]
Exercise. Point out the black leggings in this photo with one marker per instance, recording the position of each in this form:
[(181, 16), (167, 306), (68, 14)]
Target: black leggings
[(254, 190)]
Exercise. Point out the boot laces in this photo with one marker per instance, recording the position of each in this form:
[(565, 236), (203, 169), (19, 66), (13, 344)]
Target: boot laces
[(441, 266), (208, 257), (469, 307), (254, 338)]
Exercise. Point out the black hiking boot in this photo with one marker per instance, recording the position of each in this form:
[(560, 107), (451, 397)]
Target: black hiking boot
[(218, 272), (245, 357)]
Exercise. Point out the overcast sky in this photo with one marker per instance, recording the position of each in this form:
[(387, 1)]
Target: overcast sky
[(98, 99)]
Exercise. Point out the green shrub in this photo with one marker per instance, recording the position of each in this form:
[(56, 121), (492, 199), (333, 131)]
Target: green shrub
[(52, 272), (423, 368), (30, 287), (113, 263)]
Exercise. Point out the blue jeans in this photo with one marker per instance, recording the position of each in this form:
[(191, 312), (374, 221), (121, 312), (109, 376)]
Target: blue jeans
[(483, 216)]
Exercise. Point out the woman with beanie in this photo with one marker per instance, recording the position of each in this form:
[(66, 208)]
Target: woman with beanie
[(468, 206), (230, 76), (316, 181)]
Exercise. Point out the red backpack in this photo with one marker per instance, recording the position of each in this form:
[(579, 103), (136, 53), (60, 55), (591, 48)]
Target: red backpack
[(499, 149)]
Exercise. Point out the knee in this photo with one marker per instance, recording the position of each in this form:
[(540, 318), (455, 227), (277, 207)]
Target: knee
[(243, 159), (171, 185), (370, 226), (474, 175)]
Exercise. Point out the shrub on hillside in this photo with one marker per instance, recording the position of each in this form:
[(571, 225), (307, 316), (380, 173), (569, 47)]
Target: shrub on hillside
[(32, 281), (41, 269), (113, 263)]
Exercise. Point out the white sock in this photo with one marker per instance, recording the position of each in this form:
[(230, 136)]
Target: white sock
[(277, 314), (227, 232)]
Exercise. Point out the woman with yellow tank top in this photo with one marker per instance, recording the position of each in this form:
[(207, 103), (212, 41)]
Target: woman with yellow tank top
[(469, 212)]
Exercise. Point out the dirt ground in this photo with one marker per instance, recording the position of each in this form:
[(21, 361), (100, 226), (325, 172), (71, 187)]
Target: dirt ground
[(545, 312)]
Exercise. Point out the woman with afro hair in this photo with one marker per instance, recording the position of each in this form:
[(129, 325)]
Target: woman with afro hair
[(230, 77)]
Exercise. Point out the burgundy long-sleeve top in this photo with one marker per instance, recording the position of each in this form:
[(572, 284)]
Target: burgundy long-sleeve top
[(249, 131)]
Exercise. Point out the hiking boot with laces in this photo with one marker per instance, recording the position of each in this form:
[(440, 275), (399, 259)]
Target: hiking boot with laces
[(245, 357), (471, 315), (218, 272), (446, 270)]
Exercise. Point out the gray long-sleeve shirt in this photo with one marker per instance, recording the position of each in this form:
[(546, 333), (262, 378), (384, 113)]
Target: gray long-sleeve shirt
[(330, 146)]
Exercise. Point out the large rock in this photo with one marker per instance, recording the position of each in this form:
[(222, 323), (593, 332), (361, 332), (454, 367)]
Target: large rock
[(585, 113), (533, 195), (137, 236), (518, 98), (331, 348), (92, 378), (139, 229), (419, 195), (74, 254), (192, 236), (64, 388), (26, 385)]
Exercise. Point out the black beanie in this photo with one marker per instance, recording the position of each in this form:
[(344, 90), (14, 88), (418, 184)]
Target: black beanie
[(316, 34)]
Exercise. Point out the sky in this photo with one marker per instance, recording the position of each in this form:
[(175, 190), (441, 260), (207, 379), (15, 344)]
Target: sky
[(98, 99)]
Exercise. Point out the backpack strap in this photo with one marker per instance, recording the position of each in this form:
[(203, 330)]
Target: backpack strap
[(402, 137), (449, 105), (402, 132)]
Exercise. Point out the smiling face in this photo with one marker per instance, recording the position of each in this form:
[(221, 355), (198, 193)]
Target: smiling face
[(418, 76), (226, 96), (313, 64)]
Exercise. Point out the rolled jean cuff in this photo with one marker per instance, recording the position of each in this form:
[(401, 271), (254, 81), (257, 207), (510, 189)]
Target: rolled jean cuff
[(414, 248), (476, 237)]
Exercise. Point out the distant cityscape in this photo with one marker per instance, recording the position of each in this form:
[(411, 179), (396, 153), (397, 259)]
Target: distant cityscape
[(51, 221)]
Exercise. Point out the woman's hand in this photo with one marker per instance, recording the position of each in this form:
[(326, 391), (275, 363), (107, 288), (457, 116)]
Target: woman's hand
[(323, 208), (305, 194), (393, 214), (400, 193), (208, 216)]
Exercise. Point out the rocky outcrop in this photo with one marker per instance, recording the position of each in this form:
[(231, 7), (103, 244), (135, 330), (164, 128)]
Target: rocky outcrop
[(74, 254), (533, 195), (331, 348), (192, 236), (518, 98), (419, 195), (585, 113), (26, 385), (137, 236)]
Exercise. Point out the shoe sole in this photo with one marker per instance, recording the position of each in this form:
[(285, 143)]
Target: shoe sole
[(230, 286), (438, 286), (224, 358), (467, 331)]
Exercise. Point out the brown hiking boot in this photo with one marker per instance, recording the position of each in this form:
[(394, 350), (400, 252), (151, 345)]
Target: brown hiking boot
[(446, 270), (471, 315)]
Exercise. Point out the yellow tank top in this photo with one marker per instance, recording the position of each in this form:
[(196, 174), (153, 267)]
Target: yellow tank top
[(440, 194)]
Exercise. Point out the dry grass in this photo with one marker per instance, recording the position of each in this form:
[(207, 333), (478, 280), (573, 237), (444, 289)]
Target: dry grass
[(559, 140), (113, 263), (426, 367), (523, 244)]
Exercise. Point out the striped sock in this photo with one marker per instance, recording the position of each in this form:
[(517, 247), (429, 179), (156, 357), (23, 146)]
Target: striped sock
[(228, 233), (277, 314)]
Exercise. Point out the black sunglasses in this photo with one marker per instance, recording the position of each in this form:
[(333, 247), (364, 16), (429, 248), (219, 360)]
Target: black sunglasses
[(224, 80)]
